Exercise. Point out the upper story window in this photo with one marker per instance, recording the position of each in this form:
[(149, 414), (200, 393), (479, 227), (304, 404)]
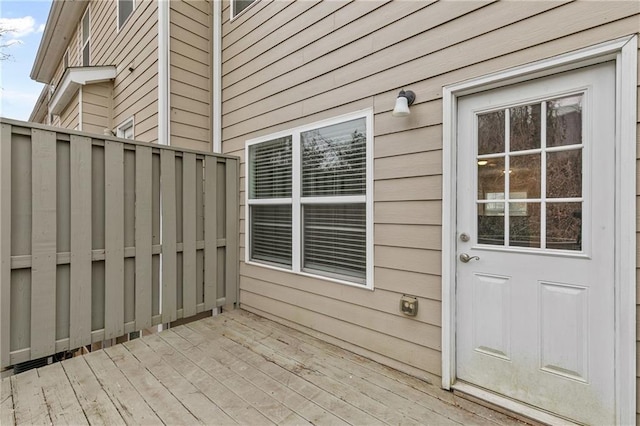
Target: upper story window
[(86, 39), (310, 200), (65, 60), (238, 6), (125, 9), (125, 130)]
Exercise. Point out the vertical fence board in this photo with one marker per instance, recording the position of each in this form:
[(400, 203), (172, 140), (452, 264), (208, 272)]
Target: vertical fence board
[(231, 258), (200, 233), (5, 244), (80, 285), (155, 236), (97, 237), (167, 189), (210, 234), (143, 237), (129, 209), (114, 240), (21, 214), (63, 241), (189, 234), (43, 258)]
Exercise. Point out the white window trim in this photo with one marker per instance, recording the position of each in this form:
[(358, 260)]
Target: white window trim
[(296, 200), (233, 15), (128, 123), (124, 24), (624, 51), (83, 43)]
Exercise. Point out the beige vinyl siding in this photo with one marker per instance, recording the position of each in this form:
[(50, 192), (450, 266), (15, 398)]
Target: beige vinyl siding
[(289, 64), (133, 50), (190, 71), (96, 107), (70, 116)]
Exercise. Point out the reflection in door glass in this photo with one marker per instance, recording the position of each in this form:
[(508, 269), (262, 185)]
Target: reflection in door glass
[(490, 177), (564, 174), (564, 226), (564, 121), (524, 224), (491, 223), (491, 132), (524, 176), (525, 127)]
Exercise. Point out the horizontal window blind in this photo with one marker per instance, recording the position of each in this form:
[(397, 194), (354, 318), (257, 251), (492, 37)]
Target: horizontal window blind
[(270, 169), (271, 233), (335, 240), (334, 160)]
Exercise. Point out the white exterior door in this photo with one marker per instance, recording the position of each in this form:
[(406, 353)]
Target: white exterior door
[(535, 224)]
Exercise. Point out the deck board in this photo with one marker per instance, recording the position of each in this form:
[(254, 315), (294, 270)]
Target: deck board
[(132, 407), (6, 403), (62, 404), (234, 368)]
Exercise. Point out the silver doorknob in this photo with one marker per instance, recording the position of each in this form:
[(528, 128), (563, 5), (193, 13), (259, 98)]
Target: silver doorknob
[(465, 258)]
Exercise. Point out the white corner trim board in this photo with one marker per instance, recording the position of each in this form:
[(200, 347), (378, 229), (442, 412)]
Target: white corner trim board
[(164, 127)]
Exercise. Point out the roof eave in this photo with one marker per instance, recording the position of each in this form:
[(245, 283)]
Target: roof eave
[(40, 108), (75, 77), (61, 23)]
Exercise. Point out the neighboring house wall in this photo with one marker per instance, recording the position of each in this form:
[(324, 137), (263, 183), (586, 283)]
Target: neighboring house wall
[(191, 74), (287, 64), (134, 50)]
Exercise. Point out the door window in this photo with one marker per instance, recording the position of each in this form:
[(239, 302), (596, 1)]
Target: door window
[(529, 175)]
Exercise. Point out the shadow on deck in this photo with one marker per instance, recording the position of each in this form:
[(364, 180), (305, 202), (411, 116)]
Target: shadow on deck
[(236, 368)]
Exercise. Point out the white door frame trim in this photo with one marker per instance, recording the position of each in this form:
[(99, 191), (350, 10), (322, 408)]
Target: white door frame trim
[(625, 53)]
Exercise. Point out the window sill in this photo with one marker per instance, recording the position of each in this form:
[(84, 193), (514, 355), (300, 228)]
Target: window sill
[(367, 286)]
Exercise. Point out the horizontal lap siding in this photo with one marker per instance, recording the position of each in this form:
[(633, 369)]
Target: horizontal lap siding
[(289, 64), (70, 116), (133, 50), (96, 107), (190, 71)]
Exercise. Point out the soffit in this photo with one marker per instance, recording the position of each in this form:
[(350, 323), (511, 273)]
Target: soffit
[(61, 24)]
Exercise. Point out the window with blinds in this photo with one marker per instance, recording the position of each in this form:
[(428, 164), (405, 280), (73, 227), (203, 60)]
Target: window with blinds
[(308, 202)]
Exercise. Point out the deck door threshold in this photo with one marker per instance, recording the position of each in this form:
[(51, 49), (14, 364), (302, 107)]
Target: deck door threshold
[(515, 408)]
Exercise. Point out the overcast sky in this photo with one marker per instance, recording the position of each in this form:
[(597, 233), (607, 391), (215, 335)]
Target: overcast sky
[(18, 93)]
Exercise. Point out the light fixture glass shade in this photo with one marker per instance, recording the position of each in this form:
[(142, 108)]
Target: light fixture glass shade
[(402, 107)]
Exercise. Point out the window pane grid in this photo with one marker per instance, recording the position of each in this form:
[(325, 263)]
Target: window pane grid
[(538, 149)]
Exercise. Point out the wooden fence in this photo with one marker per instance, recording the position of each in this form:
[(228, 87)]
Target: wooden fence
[(100, 237)]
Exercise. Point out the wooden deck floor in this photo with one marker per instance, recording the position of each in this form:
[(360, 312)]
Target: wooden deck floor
[(235, 368)]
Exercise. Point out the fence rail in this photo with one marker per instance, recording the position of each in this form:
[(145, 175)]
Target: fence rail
[(100, 237)]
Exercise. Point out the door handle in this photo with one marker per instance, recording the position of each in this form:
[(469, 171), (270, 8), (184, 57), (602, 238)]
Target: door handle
[(465, 258)]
